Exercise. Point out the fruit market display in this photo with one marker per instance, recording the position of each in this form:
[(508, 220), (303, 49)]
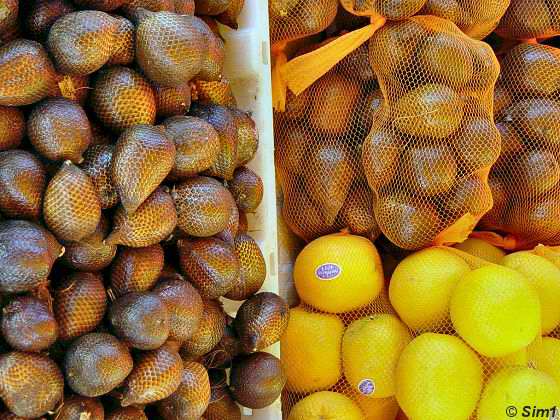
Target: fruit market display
[(417, 158), (124, 195)]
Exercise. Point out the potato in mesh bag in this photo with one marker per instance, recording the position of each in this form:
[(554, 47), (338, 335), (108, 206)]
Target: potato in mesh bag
[(433, 141), (525, 180)]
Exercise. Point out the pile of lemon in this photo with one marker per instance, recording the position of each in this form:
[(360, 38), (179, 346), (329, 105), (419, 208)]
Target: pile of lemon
[(454, 334)]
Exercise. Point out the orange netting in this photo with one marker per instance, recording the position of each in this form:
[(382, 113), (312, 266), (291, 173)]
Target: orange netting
[(318, 147), (433, 142), (528, 19), (525, 180)]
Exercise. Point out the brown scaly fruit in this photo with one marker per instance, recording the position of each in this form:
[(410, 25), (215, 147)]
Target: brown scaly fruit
[(203, 205), (136, 269), (191, 399), (223, 121), (213, 61), (10, 11), (11, 416), (96, 363), (12, 127), (209, 332), (172, 101), (247, 189), (26, 73), (28, 324), (252, 268), (133, 10), (23, 180), (97, 165), (43, 14), (211, 7), (141, 320), (184, 7), (256, 380), (123, 52), (357, 212), (59, 129), (216, 93), (247, 137), (127, 413), (153, 222), (231, 14), (91, 253), (31, 384), (122, 98), (170, 48), (184, 305), (77, 407), (232, 228), (243, 223), (226, 350), (100, 135), (103, 5), (210, 264), (66, 41), (33, 251), (197, 144), (143, 157), (155, 376), (79, 304), (222, 406), (261, 321), (71, 206)]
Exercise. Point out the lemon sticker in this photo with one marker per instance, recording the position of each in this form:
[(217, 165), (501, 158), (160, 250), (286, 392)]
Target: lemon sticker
[(328, 271), (366, 387)]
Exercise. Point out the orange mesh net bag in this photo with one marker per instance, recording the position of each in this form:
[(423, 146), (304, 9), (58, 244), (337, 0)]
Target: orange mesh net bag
[(525, 180), (529, 19), (433, 142), (318, 147)]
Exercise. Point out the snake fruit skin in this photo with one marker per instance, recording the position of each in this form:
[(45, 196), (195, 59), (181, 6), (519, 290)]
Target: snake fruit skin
[(43, 14), (215, 93), (153, 222), (26, 73), (197, 144), (223, 354), (28, 324), (213, 61), (141, 320), (230, 15), (10, 10), (247, 137), (204, 206), (127, 413), (77, 407), (91, 253), (209, 332), (252, 268), (211, 265), (32, 252), (59, 129), (247, 189), (211, 7), (136, 269), (155, 376), (97, 165), (143, 157), (184, 305), (23, 180), (123, 52), (191, 398), (222, 406), (103, 5), (96, 363), (122, 98), (230, 232), (71, 206), (12, 127), (79, 304), (33, 375), (82, 42), (172, 101)]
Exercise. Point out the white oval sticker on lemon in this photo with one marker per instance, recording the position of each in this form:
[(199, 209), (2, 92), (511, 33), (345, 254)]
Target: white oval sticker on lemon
[(338, 273)]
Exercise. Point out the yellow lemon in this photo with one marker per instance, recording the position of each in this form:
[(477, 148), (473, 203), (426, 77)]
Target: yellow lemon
[(378, 408), (326, 405), (371, 348), (422, 284), (513, 392), (310, 349), (545, 277), (544, 355), (496, 310), (438, 377), (338, 273), (482, 249)]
